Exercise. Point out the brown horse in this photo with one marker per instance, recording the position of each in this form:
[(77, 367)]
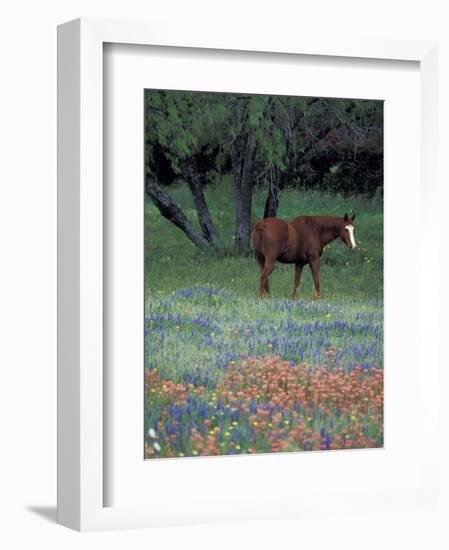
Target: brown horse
[(298, 242)]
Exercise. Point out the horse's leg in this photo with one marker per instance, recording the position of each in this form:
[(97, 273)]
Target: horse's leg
[(267, 288), (261, 284), (266, 272), (315, 267), (261, 261), (264, 287), (298, 271)]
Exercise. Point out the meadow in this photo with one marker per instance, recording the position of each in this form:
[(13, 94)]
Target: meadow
[(227, 373)]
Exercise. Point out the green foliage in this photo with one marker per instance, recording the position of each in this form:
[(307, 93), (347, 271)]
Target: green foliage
[(182, 123), (304, 138)]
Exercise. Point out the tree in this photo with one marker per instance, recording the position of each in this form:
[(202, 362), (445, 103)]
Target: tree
[(287, 116), (180, 123), (311, 125), (252, 137), (171, 211), (303, 123)]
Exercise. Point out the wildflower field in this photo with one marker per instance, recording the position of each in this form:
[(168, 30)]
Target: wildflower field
[(227, 373)]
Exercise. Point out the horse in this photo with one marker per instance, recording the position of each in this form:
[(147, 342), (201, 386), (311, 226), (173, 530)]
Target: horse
[(298, 242)]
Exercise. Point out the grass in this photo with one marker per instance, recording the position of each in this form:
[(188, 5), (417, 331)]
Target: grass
[(205, 325)]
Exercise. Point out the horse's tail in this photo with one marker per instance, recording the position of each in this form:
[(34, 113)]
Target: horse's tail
[(257, 238)]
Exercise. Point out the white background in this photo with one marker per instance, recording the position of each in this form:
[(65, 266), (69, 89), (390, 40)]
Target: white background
[(28, 269)]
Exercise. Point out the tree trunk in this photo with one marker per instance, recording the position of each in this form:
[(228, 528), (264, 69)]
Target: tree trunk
[(170, 210), (276, 187), (243, 164), (274, 190), (195, 182)]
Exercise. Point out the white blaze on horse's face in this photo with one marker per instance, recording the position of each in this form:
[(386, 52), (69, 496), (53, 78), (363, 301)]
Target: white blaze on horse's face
[(350, 229)]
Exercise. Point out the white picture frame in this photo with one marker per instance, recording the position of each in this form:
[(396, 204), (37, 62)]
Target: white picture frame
[(81, 475)]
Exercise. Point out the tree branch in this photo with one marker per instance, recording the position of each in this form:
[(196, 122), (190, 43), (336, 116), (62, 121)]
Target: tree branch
[(171, 211), (189, 169)]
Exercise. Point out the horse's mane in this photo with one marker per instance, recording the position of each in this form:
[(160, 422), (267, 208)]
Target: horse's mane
[(323, 223)]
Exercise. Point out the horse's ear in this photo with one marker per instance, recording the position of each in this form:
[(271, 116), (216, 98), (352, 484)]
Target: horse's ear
[(353, 217), (346, 217)]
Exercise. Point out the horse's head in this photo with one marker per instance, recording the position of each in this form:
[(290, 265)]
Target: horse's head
[(347, 231)]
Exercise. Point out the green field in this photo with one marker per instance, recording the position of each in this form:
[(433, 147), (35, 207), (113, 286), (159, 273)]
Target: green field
[(203, 314), (173, 262)]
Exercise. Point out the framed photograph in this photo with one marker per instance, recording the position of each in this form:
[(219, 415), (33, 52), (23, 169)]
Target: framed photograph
[(237, 338)]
